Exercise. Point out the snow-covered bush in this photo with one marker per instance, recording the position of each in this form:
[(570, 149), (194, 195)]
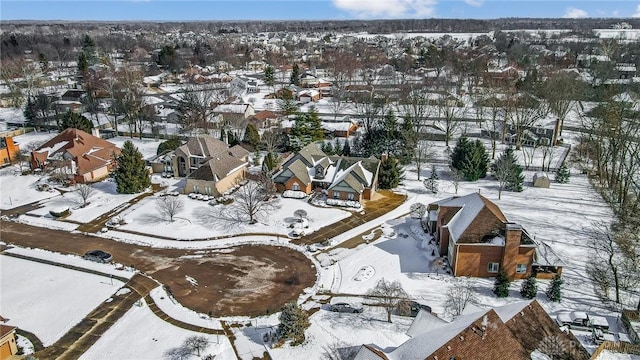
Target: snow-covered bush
[(294, 194), (344, 203)]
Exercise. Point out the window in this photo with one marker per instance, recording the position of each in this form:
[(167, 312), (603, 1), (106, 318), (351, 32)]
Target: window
[(336, 194), (295, 187), (493, 267), (351, 196), (207, 190), (196, 189), (521, 268)]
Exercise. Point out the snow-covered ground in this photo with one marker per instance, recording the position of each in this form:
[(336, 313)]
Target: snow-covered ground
[(49, 300), (18, 190), (141, 335), (173, 308), (197, 220)]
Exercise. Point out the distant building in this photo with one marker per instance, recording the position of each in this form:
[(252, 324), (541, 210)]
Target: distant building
[(9, 151), (8, 345)]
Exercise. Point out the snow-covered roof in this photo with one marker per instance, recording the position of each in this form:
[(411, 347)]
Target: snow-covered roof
[(506, 312), (470, 206), (424, 321)]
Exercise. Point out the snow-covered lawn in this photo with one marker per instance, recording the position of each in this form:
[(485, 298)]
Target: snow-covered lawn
[(141, 335), (172, 308), (148, 147), (196, 220), (103, 199), (18, 190), (49, 300)]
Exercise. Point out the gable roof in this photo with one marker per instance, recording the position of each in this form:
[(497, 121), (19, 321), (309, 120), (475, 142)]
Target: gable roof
[(203, 146), (238, 151), (88, 151), (469, 206), (217, 167), (504, 332)]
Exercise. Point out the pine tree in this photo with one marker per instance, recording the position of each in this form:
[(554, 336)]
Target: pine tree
[(346, 149), (251, 135), (269, 75), (270, 162), (470, 158), (328, 148), (293, 322), (337, 147), (501, 286), (431, 183), (508, 172), (554, 291), (256, 157), (316, 132), (83, 62), (131, 173), (75, 121), (562, 174), (390, 173), (529, 288), (295, 75)]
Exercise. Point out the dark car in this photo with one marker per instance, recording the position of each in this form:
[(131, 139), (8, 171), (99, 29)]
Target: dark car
[(345, 308), (98, 256), (412, 308)]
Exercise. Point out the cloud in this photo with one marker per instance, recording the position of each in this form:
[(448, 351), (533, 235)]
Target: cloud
[(574, 13), (388, 8), (637, 14), (476, 3)]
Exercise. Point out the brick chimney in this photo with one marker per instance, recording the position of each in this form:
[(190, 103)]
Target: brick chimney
[(513, 234)]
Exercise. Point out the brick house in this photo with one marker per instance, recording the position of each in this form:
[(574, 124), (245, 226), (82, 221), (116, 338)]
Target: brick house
[(478, 240), (516, 331), (343, 178), (77, 155), (9, 151), (8, 345)]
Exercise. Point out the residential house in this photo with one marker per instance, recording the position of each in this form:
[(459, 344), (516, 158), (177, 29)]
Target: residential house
[(256, 66), (631, 321), (343, 178), (518, 331), (264, 119), (9, 151), (209, 165), (308, 80), (342, 127), (478, 240), (306, 96), (8, 345), (626, 70), (234, 113), (77, 156)]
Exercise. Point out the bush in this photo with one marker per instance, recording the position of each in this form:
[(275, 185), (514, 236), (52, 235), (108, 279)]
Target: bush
[(501, 286), (529, 288), (170, 144)]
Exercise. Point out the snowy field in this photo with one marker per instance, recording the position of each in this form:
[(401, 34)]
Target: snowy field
[(49, 300), (141, 335), (173, 308), (197, 220), (17, 190)]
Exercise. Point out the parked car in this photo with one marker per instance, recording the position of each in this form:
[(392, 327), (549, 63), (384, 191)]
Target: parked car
[(598, 336), (98, 256), (346, 308), (582, 320), (412, 308)]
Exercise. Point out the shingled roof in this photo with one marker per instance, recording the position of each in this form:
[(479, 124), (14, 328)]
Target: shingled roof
[(203, 146), (217, 167)]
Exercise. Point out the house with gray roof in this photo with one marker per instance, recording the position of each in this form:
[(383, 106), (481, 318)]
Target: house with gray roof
[(343, 178), (210, 166)]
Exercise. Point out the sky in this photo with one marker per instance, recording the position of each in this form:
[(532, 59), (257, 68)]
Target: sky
[(165, 10)]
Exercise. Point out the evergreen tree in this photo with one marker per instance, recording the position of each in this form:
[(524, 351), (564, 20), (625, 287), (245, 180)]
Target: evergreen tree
[(295, 75), (529, 288), (256, 157), (293, 322), (508, 172), (131, 173), (269, 75), (470, 158), (346, 149), (270, 162), (328, 148), (431, 183), (307, 128), (554, 291), (83, 62), (170, 144), (409, 139), (89, 49), (337, 147), (501, 286), (390, 173), (75, 121), (251, 135), (30, 112), (315, 124), (562, 174)]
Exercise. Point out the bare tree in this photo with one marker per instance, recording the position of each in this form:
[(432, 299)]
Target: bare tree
[(178, 353), (339, 350), (491, 112), (459, 296), (421, 154), (251, 204), (388, 294), (450, 114), (196, 343), (170, 206), (300, 213), (84, 191), (609, 265), (524, 113), (561, 91)]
